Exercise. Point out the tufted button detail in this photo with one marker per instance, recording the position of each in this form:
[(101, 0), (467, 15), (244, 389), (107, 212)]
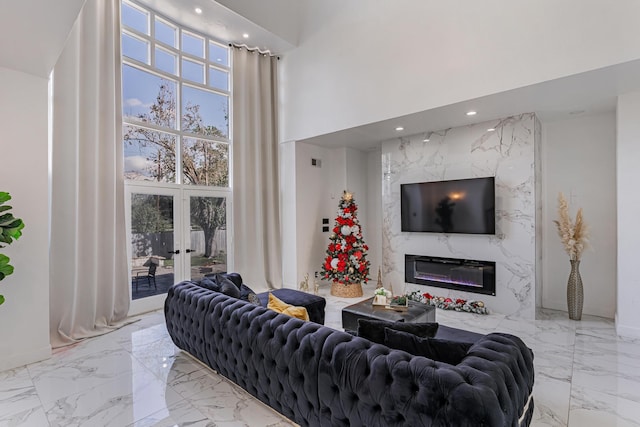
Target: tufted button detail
[(226, 332)]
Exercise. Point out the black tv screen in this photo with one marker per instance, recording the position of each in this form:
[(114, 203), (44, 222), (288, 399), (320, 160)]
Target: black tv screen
[(460, 206)]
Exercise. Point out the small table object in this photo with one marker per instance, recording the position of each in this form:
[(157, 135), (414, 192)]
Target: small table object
[(415, 313)]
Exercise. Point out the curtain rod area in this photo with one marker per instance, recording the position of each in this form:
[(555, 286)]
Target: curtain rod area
[(253, 49)]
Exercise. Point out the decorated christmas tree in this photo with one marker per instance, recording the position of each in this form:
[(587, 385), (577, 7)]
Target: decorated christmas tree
[(346, 262)]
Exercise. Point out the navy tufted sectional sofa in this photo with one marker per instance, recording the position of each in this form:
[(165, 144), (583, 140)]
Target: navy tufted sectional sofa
[(318, 376)]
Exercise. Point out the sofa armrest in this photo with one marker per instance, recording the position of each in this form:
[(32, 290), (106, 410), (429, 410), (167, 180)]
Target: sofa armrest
[(509, 364)]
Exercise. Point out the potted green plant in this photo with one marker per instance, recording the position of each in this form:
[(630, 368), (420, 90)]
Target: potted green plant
[(10, 230)]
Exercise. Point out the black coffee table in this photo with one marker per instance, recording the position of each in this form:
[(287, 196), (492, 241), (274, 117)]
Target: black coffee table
[(415, 313)]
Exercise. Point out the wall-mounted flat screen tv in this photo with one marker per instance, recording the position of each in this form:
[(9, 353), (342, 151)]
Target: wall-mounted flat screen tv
[(465, 206)]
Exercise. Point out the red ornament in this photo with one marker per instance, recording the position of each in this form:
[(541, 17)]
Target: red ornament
[(348, 249)]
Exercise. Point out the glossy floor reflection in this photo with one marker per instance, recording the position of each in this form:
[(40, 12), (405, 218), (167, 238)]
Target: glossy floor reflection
[(135, 376)]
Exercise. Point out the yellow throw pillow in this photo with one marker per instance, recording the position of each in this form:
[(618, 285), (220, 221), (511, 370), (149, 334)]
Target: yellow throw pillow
[(280, 306), (297, 312), (277, 304)]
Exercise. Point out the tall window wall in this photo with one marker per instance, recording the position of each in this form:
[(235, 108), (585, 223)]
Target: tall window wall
[(176, 113)]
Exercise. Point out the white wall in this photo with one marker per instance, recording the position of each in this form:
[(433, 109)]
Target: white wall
[(24, 317), (357, 183), (363, 61), (579, 159), (317, 195), (313, 202), (288, 226), (628, 200), (467, 152)]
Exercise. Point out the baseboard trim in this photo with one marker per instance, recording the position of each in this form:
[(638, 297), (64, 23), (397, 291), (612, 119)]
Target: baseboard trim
[(587, 311), (22, 359), (626, 331)]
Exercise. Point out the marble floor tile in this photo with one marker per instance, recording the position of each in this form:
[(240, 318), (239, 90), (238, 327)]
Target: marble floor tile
[(120, 402), (229, 405), (181, 413), (552, 362), (480, 323), (33, 417), (626, 351), (18, 396), (144, 337), (551, 402), (589, 408), (135, 376), (607, 365), (196, 383), (544, 332), (79, 375), (172, 369)]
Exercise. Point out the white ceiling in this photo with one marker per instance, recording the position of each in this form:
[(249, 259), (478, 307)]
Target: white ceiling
[(225, 24), (33, 33)]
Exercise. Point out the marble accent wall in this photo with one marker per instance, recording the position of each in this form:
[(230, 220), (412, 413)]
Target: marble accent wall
[(508, 153)]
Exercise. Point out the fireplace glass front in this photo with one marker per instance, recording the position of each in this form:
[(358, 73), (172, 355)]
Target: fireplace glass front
[(451, 273)]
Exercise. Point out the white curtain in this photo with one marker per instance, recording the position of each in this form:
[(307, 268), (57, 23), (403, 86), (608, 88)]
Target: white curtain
[(256, 204), (88, 265)]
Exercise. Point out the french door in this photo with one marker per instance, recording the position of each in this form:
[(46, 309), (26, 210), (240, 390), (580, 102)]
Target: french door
[(174, 235)]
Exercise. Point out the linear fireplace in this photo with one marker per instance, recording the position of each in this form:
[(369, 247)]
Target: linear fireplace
[(451, 273)]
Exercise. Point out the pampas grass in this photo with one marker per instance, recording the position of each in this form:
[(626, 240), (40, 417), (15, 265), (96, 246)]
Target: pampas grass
[(573, 235)]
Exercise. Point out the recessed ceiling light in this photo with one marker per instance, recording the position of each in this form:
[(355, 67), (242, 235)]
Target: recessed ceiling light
[(425, 140), (198, 10), (471, 113), (399, 128), (491, 129), (245, 35)]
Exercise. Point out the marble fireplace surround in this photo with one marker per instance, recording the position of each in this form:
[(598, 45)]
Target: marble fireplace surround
[(510, 154)]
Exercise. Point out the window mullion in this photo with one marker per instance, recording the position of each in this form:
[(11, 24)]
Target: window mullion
[(211, 100), (144, 67), (179, 169)]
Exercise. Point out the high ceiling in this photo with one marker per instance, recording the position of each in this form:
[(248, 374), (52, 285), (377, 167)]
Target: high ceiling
[(33, 33), (272, 31)]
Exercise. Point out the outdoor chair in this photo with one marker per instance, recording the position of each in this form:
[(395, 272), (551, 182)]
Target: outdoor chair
[(150, 276)]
